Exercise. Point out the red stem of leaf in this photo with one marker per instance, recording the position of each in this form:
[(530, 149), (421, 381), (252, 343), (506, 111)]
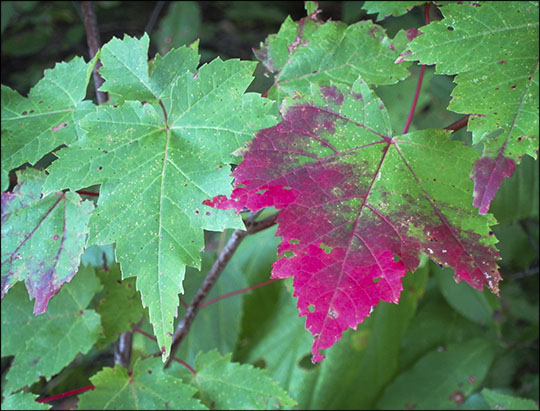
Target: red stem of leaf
[(66, 394), (164, 113), (243, 290), (87, 193), (189, 367), (458, 124), (419, 84), (183, 303)]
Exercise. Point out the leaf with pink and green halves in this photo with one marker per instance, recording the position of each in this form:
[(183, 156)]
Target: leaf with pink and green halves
[(42, 237), (493, 49), (358, 205)]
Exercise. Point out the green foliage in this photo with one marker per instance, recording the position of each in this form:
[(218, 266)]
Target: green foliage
[(226, 385), (45, 344), (23, 401), (435, 381), (165, 142), (167, 161), (51, 111), (497, 81), (120, 307), (147, 387), (498, 401), (180, 26), (390, 8)]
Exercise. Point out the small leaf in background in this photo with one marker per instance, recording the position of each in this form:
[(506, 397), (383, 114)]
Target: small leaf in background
[(390, 8), (156, 168), (310, 51), (147, 387), (23, 401), (223, 384), (497, 81), (42, 237), (498, 401), (179, 27), (442, 379), (45, 344), (120, 307), (472, 304), (50, 111), (352, 197)]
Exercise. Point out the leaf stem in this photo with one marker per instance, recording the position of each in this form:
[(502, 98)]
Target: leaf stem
[(419, 84), (458, 124), (87, 193), (185, 364), (66, 394), (226, 254), (93, 40), (164, 113), (243, 290)]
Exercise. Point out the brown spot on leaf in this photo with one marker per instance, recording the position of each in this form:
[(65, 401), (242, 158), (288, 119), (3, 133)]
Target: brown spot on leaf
[(55, 237)]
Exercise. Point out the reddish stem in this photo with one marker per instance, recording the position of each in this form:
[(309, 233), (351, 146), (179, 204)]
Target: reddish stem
[(184, 303), (164, 113), (418, 85), (243, 290), (185, 364), (458, 124), (87, 193), (66, 394)]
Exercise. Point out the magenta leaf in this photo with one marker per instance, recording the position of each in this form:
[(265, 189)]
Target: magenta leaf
[(358, 205), (42, 238), (488, 174)]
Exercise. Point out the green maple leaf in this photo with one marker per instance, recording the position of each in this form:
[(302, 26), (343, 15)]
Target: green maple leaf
[(390, 8), (493, 49), (246, 387), (313, 51), (158, 156), (23, 401), (146, 388), (120, 307), (43, 345), (51, 110)]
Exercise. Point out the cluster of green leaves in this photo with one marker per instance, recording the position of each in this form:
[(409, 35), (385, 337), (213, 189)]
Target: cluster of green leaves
[(161, 147)]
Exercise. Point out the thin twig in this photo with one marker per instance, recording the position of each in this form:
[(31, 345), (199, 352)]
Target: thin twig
[(153, 18), (236, 238), (94, 43), (122, 349)]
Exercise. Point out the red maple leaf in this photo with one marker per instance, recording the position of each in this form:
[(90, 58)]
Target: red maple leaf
[(358, 205)]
